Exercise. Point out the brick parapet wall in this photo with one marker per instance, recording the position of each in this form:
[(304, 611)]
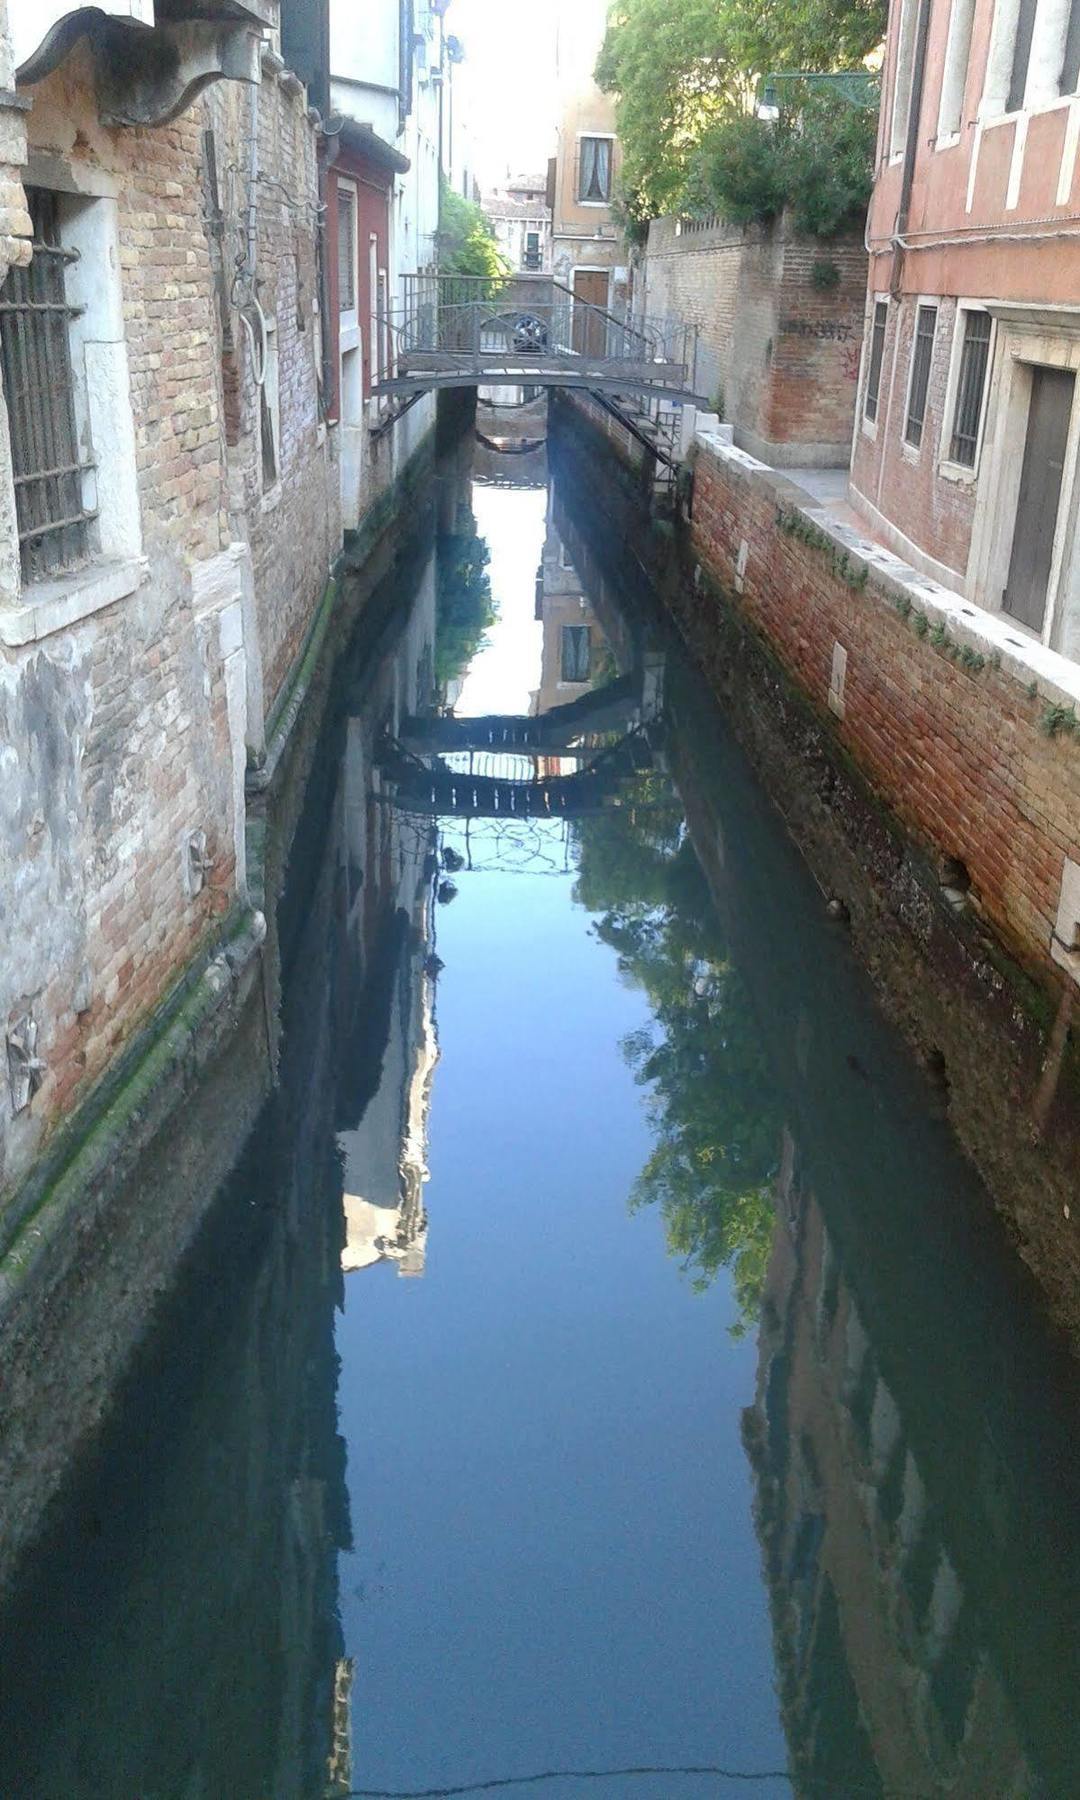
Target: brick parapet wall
[(780, 321), (947, 726)]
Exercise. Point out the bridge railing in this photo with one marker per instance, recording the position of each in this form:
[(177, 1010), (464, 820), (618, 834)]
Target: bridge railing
[(466, 321)]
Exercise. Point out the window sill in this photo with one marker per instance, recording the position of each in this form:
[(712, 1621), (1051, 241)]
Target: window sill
[(271, 498), (868, 428), (49, 606), (958, 472)]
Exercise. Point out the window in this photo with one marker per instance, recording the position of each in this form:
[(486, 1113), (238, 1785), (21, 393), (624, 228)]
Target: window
[(921, 354), (532, 249), (346, 249), (877, 351), (954, 78), (970, 389), (1070, 61), (269, 416), (905, 69), (1021, 56), (594, 173), (575, 653), (35, 322)]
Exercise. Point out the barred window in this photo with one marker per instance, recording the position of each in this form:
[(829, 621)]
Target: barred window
[(922, 352), (575, 653), (970, 388), (346, 250), (877, 351), (35, 346)]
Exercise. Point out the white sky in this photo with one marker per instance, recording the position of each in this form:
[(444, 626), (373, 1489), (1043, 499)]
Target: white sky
[(507, 81)]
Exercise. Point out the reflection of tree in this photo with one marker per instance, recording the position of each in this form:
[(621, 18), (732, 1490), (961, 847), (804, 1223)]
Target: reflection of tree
[(464, 608), (717, 1125)]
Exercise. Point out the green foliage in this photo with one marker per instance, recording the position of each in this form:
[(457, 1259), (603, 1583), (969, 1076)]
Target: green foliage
[(1059, 719), (684, 73), (711, 1099), (817, 158), (464, 610), (466, 241)]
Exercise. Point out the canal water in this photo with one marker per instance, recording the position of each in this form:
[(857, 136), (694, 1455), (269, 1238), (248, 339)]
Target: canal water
[(602, 1375)]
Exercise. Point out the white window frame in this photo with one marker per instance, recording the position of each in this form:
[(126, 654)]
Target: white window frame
[(954, 471), (954, 77), (611, 139), (914, 451), (349, 317), (104, 415), (271, 391), (903, 78), (869, 427)]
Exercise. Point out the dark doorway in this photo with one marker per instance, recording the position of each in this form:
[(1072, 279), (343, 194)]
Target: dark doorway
[(1040, 495), (590, 329)]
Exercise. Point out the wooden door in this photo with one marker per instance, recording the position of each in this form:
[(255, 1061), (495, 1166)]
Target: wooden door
[(590, 331), (1040, 495)]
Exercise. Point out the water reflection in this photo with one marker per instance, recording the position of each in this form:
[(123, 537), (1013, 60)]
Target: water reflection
[(559, 1441)]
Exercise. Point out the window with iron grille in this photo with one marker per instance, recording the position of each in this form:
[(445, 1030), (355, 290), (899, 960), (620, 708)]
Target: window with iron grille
[(970, 388), (575, 653), (922, 352), (877, 351), (35, 345), (346, 250)]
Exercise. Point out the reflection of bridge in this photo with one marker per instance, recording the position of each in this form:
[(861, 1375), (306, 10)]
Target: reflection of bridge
[(617, 704), (438, 790), (456, 331)]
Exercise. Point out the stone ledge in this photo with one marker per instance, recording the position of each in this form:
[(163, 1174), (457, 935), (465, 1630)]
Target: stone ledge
[(891, 579), (50, 606)]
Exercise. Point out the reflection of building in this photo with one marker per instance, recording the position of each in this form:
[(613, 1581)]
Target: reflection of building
[(573, 641), (388, 874), (885, 1681), (519, 214), (586, 247)]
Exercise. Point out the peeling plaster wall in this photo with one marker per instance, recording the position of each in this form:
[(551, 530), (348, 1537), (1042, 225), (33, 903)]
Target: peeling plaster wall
[(126, 724)]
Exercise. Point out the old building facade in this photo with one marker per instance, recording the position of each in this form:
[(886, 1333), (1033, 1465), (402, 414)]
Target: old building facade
[(587, 252), (169, 490), (968, 433)]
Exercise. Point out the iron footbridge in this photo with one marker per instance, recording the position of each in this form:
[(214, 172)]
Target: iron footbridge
[(455, 331)]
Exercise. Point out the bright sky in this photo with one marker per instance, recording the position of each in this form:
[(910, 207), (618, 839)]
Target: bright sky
[(507, 81)]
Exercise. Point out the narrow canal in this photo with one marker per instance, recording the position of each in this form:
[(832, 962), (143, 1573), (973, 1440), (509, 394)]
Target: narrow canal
[(602, 1366)]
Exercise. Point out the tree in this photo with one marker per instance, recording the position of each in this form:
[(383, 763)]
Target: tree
[(682, 68), (711, 1098), (467, 243)]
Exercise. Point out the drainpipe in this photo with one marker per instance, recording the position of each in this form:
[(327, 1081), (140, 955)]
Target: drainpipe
[(911, 146)]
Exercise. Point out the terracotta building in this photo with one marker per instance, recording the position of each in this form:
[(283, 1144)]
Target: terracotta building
[(967, 432), (588, 254)]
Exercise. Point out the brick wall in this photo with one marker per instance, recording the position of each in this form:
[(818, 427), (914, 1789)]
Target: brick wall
[(125, 732), (956, 751), (780, 322)]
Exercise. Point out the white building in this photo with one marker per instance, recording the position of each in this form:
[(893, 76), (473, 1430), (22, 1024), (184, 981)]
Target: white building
[(520, 217)]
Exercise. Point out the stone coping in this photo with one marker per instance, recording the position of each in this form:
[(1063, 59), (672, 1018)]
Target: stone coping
[(993, 635)]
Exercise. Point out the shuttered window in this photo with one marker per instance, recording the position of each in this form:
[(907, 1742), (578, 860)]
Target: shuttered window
[(877, 351), (921, 354), (970, 388), (346, 250), (35, 321)]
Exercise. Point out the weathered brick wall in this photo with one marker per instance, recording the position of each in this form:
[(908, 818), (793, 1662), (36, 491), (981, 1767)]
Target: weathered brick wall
[(691, 272), (293, 524), (780, 321), (954, 748), (929, 508), (123, 734)]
